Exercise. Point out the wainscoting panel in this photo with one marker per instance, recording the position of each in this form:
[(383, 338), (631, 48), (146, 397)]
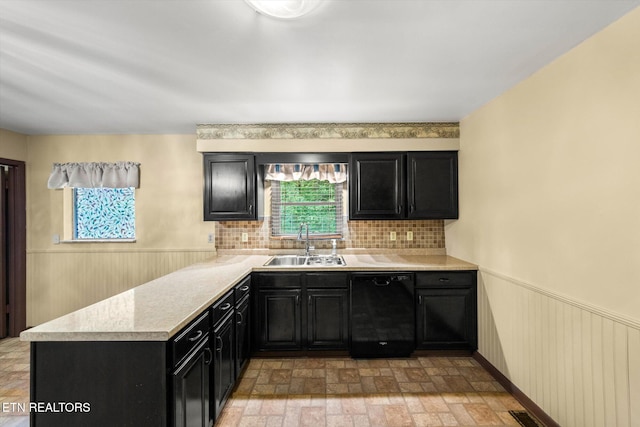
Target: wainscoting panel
[(59, 282), (579, 363)]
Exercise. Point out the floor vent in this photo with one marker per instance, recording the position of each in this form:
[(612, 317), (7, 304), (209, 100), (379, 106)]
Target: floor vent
[(524, 419)]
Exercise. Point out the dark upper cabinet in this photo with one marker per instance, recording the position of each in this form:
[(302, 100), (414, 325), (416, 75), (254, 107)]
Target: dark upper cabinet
[(377, 186), (446, 310), (381, 187), (432, 185), (229, 187)]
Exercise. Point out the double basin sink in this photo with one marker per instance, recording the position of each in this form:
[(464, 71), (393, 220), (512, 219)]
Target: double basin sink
[(304, 260)]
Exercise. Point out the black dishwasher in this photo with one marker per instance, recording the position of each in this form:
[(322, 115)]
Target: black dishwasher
[(382, 315)]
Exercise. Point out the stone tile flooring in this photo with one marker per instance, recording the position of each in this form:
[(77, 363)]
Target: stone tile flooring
[(422, 391), (14, 382)]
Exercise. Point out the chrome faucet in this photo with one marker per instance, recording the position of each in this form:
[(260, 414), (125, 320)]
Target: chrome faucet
[(307, 247)]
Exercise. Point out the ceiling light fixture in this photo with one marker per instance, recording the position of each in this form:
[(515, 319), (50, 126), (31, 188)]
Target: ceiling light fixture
[(283, 9)]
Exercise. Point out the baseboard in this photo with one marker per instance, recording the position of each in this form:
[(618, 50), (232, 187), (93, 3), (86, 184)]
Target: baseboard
[(524, 400)]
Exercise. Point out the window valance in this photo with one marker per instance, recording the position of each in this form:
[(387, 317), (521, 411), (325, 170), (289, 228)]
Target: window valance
[(95, 175), (332, 172)]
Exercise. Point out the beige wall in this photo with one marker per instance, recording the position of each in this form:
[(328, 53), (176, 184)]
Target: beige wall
[(550, 211), (13, 145), (170, 231)]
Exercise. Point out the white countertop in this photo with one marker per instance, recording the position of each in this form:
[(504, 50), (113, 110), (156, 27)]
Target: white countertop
[(157, 310)]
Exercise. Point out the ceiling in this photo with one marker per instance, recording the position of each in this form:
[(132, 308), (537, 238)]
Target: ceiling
[(163, 66)]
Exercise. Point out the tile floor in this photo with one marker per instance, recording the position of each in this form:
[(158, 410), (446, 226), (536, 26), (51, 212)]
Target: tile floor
[(422, 391), (14, 382)]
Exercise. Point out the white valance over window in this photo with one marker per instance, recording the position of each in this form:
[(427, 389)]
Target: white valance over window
[(95, 175), (333, 172)]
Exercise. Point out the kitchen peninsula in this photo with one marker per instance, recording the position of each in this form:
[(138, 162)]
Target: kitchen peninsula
[(122, 355)]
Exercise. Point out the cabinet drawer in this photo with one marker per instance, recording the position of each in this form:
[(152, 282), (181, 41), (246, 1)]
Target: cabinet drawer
[(242, 289), (326, 280), (223, 307), (279, 280), (190, 336), (445, 278)]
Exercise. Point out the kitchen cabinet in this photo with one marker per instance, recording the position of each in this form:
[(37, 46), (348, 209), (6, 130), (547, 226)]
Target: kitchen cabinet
[(242, 293), (446, 311), (432, 185), (377, 186), (414, 185), (223, 343), (229, 187), (327, 311), (282, 322)]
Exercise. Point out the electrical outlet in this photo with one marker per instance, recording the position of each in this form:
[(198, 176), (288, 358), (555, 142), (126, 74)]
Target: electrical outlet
[(55, 239), (392, 235), (245, 237), (409, 235), (211, 238)]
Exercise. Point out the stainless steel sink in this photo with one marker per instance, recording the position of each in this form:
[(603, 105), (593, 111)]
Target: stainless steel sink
[(326, 260), (302, 260), (287, 260)]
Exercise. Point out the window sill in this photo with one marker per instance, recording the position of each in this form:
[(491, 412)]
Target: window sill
[(322, 237), (99, 241)]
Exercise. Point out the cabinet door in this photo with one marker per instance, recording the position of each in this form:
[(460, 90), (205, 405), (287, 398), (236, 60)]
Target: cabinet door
[(243, 337), (433, 185), (328, 319), (278, 319), (377, 186), (447, 318), (230, 189), (191, 389), (224, 363)]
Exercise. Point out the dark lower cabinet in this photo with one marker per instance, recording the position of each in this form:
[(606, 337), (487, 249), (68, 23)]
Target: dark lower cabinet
[(301, 311), (243, 336), (446, 311), (191, 390), (328, 319), (223, 372), (278, 319)]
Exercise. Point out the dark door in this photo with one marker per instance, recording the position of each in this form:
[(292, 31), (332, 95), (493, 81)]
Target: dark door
[(446, 318), (243, 337), (327, 318), (279, 319), (229, 187), (4, 291), (224, 363), (433, 185), (191, 389), (377, 186)]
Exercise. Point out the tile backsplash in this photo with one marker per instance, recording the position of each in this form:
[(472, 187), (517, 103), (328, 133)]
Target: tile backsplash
[(427, 234)]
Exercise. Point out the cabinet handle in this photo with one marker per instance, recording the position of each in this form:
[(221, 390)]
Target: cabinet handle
[(297, 299), (239, 322), (225, 307), (309, 300), (219, 349), (420, 300), (411, 208), (208, 356), (399, 209), (250, 209), (444, 279), (196, 336), (244, 288)]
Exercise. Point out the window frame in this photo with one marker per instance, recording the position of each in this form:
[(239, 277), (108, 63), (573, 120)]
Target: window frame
[(339, 216), (69, 224)]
